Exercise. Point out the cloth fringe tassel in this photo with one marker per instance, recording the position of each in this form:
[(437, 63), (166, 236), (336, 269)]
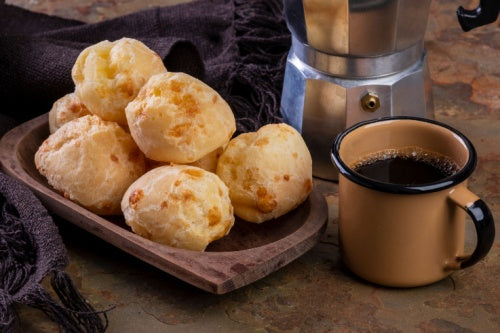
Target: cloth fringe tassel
[(75, 315), (18, 270)]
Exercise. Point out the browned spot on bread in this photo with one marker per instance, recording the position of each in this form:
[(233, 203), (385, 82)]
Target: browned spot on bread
[(214, 99), (178, 130), (176, 99), (286, 177), (214, 216), (127, 88), (177, 182), (262, 141), (76, 107), (186, 103), (194, 172), (190, 105), (157, 92), (188, 196), (248, 181), (113, 158), (164, 204), (135, 197), (141, 113), (284, 132), (174, 197), (176, 86), (265, 201), (295, 155), (261, 191)]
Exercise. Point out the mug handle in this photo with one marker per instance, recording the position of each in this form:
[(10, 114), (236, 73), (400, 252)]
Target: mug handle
[(483, 222)]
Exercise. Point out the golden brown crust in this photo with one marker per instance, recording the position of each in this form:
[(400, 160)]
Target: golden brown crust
[(268, 172), (180, 206), (65, 109), (91, 162), (108, 75), (177, 118)]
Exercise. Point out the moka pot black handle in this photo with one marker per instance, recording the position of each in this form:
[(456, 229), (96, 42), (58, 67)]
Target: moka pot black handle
[(485, 13)]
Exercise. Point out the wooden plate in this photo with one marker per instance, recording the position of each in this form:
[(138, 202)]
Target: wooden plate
[(248, 253)]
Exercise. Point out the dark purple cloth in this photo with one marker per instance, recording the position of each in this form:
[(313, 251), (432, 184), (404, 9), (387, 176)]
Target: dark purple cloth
[(238, 47)]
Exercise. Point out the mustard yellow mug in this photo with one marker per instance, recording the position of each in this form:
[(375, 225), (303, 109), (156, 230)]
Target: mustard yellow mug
[(403, 200)]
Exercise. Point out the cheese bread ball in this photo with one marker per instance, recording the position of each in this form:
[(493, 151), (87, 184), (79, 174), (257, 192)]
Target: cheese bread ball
[(180, 206), (91, 162), (268, 172), (108, 75), (65, 109), (177, 118)]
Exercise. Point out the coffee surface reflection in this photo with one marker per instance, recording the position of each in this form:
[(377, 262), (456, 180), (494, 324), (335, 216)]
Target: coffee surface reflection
[(406, 167)]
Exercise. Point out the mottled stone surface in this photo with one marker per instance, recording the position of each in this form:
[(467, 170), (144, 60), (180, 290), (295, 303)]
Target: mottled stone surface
[(90, 10), (315, 293)]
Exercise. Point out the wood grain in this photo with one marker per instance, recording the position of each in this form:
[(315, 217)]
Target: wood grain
[(248, 253)]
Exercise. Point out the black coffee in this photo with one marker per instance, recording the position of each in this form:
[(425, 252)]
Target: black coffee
[(406, 168)]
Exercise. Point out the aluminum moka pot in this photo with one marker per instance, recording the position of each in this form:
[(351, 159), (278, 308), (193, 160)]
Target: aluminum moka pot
[(354, 60)]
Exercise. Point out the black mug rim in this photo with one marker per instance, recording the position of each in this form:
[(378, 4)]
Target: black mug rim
[(442, 184)]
